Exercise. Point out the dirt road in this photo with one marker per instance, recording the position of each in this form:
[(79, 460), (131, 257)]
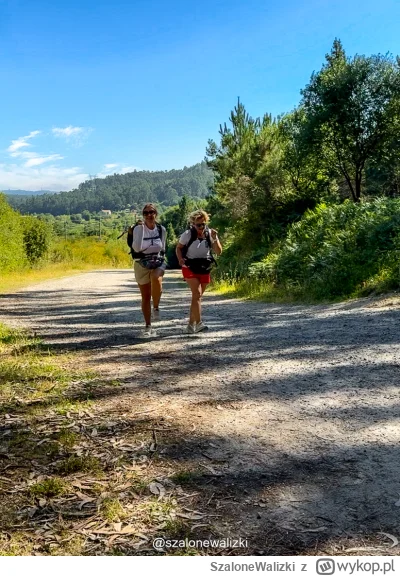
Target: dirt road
[(292, 412)]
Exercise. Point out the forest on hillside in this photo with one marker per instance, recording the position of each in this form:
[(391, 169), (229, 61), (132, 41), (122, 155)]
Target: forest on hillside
[(121, 191)]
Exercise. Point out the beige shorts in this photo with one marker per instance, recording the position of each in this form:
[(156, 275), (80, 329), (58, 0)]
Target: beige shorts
[(143, 275)]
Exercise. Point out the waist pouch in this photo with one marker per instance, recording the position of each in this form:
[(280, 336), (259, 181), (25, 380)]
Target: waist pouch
[(152, 261), (199, 265)]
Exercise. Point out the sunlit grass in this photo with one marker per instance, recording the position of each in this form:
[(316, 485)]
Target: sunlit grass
[(16, 544), (68, 258), (48, 488), (112, 510), (74, 464), (10, 282), (250, 289), (30, 372)]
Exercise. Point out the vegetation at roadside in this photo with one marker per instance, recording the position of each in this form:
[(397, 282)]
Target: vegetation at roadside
[(332, 252), (307, 202), (31, 251)]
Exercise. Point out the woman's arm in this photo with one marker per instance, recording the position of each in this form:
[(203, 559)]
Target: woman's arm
[(215, 243), (178, 252), (164, 238), (138, 232)]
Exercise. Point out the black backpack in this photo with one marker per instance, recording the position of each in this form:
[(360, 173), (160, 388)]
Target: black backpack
[(193, 237), (129, 239)]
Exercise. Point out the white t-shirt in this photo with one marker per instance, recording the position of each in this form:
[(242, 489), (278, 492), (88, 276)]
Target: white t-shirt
[(198, 249), (145, 240)]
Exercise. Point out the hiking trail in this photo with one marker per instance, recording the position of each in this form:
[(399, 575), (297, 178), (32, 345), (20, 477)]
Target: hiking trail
[(290, 411)]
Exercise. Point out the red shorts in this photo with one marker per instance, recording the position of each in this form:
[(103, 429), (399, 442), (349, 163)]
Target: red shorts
[(203, 278)]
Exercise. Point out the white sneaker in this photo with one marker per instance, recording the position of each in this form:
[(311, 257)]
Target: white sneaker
[(148, 332), (155, 315), (200, 326), (190, 329)]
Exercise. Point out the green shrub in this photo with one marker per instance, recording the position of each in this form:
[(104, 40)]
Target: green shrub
[(12, 252), (84, 251), (236, 259), (334, 251), (37, 238)]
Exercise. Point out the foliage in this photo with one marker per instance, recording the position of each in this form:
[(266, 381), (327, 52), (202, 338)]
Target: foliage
[(336, 250), (36, 237), (171, 245), (343, 140), (309, 179), (48, 488), (90, 251), (12, 250), (249, 181), (352, 108)]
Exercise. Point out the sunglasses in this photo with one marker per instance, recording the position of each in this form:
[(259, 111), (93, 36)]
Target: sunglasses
[(148, 212), (200, 225)]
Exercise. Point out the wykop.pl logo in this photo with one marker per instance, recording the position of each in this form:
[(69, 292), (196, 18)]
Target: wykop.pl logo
[(325, 566)]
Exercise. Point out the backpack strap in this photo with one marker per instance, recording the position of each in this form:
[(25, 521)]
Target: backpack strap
[(209, 242), (208, 238), (137, 255), (193, 237), (159, 230), (160, 233)]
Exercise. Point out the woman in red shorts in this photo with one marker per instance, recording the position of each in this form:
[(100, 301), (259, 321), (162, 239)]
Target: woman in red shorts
[(194, 255)]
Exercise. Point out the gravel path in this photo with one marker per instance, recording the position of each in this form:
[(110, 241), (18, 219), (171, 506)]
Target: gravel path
[(297, 407)]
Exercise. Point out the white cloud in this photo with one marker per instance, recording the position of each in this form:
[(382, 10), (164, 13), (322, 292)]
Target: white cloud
[(55, 178), (126, 169), (28, 173), (32, 170), (21, 142), (109, 169), (68, 131), (75, 135), (26, 155), (38, 160)]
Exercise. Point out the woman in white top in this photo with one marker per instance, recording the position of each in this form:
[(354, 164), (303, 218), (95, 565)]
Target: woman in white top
[(148, 244), (194, 255)]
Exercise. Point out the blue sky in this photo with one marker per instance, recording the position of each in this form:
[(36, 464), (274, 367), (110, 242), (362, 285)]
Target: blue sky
[(102, 87)]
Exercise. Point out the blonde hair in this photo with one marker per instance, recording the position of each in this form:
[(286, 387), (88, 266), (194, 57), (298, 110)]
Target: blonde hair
[(150, 205), (198, 214)]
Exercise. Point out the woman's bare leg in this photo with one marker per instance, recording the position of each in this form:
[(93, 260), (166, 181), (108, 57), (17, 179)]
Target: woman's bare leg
[(145, 290), (156, 286), (195, 306)]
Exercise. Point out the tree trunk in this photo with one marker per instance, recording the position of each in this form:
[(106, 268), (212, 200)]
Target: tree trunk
[(358, 186), (350, 185)]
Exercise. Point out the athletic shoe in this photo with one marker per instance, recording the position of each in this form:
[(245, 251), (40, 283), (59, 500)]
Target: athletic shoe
[(155, 315), (200, 326), (147, 332), (190, 329)]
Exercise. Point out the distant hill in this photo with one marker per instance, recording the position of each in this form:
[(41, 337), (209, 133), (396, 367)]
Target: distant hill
[(27, 192), (121, 191)]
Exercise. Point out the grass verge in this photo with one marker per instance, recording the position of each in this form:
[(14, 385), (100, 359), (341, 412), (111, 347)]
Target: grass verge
[(259, 290)]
